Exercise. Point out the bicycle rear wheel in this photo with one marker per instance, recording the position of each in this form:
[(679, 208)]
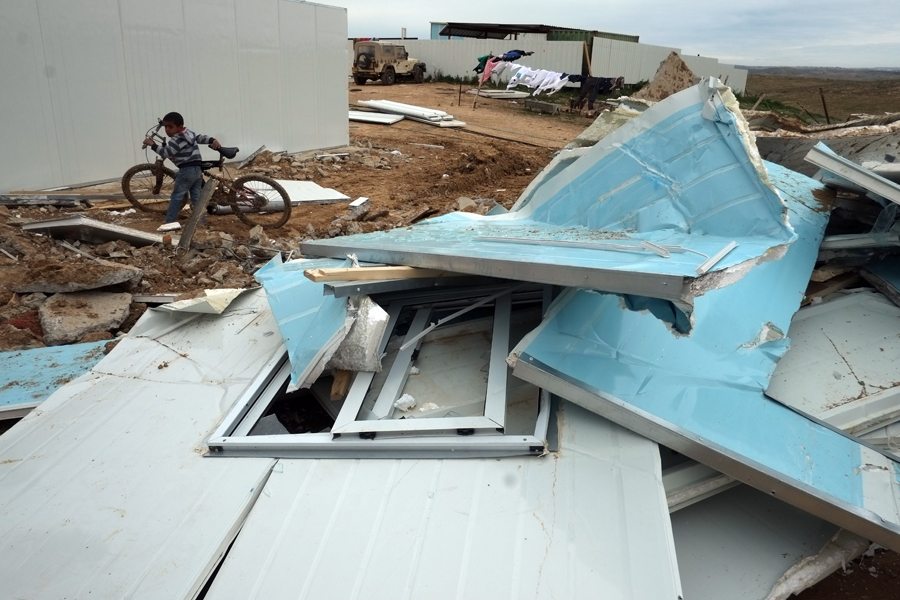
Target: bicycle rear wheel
[(148, 187), (260, 200)]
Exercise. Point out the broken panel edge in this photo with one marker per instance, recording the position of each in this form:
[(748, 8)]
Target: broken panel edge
[(858, 520)]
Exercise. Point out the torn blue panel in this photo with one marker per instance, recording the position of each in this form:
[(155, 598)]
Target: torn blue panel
[(702, 393), (29, 376), (310, 322), (638, 213)]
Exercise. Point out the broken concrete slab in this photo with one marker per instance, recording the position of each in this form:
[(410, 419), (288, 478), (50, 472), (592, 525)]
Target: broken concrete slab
[(67, 317), (92, 231), (51, 277), (39, 200), (14, 338)]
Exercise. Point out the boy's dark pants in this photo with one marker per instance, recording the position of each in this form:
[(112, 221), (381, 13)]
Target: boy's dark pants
[(188, 180)]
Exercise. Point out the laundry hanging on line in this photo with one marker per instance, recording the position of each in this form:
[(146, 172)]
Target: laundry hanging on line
[(508, 56), (539, 80)]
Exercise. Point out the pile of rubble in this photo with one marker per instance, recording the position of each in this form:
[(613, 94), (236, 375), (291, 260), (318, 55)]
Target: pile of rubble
[(669, 356)]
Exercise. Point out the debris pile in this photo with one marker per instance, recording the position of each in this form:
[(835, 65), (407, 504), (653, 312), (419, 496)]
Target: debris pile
[(648, 363)]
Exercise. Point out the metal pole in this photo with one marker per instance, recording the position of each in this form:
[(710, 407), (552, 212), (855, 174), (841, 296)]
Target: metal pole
[(824, 106)]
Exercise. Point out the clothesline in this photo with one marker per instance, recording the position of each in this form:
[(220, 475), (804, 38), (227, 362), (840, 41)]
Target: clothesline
[(539, 80)]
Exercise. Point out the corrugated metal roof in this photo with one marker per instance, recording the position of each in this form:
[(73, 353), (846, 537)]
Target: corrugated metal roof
[(587, 522)]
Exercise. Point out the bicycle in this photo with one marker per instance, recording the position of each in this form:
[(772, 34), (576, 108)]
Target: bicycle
[(255, 199)]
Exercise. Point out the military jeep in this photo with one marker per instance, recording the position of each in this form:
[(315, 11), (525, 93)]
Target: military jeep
[(386, 62)]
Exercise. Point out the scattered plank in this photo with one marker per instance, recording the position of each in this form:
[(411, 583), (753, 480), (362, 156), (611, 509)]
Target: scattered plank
[(372, 273), (250, 158), (542, 107), (835, 284), (41, 200)]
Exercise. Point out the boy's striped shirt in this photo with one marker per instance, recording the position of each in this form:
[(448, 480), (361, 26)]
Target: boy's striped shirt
[(183, 149)]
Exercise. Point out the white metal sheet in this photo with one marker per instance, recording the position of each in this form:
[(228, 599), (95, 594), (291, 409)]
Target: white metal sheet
[(310, 191), (589, 521), (737, 544), (842, 351), (104, 490), (374, 117)]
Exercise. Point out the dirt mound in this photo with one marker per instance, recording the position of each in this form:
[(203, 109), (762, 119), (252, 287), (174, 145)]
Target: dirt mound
[(672, 76)]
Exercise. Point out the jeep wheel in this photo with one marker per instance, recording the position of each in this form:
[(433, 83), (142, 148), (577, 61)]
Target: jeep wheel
[(360, 79), (418, 74), (388, 76)]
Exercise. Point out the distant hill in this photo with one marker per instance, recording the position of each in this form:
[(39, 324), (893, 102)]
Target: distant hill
[(828, 72)]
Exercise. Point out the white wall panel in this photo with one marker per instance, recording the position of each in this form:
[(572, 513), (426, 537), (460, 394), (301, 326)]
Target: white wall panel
[(633, 61), (702, 66), (331, 82), (92, 76), (29, 149), (651, 58), (85, 74)]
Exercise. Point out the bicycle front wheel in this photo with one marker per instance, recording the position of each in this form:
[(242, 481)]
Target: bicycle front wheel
[(260, 200), (148, 187)]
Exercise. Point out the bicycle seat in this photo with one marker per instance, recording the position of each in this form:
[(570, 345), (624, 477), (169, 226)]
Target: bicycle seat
[(228, 152)]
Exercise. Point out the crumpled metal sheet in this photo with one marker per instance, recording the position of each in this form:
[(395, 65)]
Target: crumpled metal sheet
[(702, 393), (684, 175)]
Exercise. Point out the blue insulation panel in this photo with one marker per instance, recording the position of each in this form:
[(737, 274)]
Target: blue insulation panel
[(707, 386), (29, 376), (682, 175), (307, 319)]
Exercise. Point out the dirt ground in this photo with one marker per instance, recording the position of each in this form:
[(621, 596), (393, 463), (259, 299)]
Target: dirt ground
[(408, 171), (871, 95)]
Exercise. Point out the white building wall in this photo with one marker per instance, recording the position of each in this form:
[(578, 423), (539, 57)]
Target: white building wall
[(85, 80)]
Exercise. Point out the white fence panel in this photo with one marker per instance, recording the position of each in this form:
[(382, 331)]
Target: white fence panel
[(634, 61), (734, 77), (29, 148), (639, 62), (702, 66), (91, 77)]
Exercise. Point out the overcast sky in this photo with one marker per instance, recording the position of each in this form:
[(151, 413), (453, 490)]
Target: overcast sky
[(832, 33)]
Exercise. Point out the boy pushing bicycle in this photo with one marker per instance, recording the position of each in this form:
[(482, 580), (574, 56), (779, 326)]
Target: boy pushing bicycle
[(183, 149)]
